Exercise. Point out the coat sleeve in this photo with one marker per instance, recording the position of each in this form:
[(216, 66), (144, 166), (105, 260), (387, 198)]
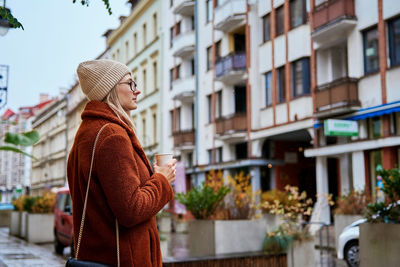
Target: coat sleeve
[(131, 202)]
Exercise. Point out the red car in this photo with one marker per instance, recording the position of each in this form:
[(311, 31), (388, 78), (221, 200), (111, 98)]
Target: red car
[(63, 229)]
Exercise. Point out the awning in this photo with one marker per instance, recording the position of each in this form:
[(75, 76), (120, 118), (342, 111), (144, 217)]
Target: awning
[(365, 113)]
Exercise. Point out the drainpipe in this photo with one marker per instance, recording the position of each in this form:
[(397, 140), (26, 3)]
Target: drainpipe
[(66, 137), (196, 74), (248, 87)]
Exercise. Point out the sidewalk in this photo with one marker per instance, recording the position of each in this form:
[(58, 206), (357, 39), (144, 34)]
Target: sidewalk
[(15, 252)]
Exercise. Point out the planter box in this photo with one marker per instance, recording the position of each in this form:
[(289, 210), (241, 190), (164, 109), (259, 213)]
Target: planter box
[(341, 221), (5, 218), (39, 228), (164, 224), (273, 221), (215, 237), (15, 224), (22, 224), (379, 245), (164, 248), (181, 226), (301, 254)]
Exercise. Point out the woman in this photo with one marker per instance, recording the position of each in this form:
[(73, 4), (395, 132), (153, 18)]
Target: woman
[(123, 186)]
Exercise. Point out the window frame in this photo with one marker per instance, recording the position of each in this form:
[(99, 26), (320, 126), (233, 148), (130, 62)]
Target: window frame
[(209, 55), (277, 10), (281, 85), (266, 18), (364, 36), (304, 13), (268, 89), (305, 77), (392, 42)]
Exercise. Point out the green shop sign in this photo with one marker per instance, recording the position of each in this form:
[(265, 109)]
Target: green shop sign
[(340, 128)]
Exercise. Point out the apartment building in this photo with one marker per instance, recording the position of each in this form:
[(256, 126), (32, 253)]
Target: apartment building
[(252, 83), (356, 80), (15, 168), (49, 170), (137, 43)]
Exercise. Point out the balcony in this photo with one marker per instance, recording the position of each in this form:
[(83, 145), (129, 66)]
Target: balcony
[(184, 7), (232, 128), (183, 89), (230, 15), (183, 45), (337, 97), (184, 139), (231, 69), (331, 19)]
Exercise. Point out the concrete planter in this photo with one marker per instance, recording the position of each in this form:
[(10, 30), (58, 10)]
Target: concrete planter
[(22, 224), (215, 237), (164, 248), (39, 228), (273, 221), (341, 221), (379, 245), (15, 224), (5, 218), (301, 253), (181, 226), (164, 224)]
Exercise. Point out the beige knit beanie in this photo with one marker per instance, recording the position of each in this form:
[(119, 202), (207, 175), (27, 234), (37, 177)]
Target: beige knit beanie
[(98, 77)]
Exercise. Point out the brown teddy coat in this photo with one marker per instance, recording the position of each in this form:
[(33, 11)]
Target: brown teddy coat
[(122, 186)]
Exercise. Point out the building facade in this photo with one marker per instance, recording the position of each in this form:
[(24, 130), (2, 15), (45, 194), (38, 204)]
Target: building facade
[(137, 43), (49, 170)]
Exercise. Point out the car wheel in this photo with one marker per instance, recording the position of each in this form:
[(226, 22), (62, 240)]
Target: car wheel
[(351, 254), (59, 247)]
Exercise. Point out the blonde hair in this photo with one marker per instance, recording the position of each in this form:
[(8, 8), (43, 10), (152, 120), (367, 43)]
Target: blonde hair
[(113, 101)]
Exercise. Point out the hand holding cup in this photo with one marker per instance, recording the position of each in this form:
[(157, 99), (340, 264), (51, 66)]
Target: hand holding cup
[(165, 165)]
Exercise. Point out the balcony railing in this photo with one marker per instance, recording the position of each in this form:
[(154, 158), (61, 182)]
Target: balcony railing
[(184, 7), (183, 138), (230, 15), (339, 96), (183, 44), (232, 123), (231, 62)]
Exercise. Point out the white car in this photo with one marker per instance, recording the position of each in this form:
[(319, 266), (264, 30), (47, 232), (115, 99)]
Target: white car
[(348, 244)]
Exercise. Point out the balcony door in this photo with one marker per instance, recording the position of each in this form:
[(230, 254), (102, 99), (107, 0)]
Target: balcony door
[(240, 99), (239, 41)]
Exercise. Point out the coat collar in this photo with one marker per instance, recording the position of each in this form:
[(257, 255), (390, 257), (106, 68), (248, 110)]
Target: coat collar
[(100, 110)]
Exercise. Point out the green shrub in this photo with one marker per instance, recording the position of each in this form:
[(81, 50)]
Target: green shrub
[(202, 201)]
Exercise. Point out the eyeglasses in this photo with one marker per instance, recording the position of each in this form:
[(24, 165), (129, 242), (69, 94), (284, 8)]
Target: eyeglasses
[(132, 85)]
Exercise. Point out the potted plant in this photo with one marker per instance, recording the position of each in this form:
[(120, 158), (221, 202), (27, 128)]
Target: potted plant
[(292, 235), (268, 199), (380, 236), (349, 208), (39, 221), (15, 223)]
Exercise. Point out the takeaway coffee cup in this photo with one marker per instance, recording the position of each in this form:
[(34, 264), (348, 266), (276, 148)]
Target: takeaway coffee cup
[(163, 159)]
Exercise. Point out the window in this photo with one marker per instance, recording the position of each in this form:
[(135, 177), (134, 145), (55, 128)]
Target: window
[(266, 28), (155, 25), (135, 50), (178, 72), (219, 154), (298, 13), (178, 119), (192, 20), (144, 82), (375, 127), (171, 117), (240, 99), (209, 108), (280, 25), (218, 108), (171, 3), (241, 151), (171, 78), (371, 52), (281, 85), (268, 89), (155, 78), (144, 136), (178, 29), (190, 159), (394, 41), (209, 153), (218, 49), (144, 35), (209, 6), (192, 65), (208, 58), (118, 56), (192, 110), (171, 36), (301, 77), (154, 128), (127, 50)]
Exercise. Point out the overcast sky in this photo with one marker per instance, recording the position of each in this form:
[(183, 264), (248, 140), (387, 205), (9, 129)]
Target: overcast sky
[(57, 36)]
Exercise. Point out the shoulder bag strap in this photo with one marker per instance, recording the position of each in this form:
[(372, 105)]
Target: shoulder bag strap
[(84, 205)]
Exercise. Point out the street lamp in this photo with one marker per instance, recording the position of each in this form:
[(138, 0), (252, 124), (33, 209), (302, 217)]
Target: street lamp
[(4, 23)]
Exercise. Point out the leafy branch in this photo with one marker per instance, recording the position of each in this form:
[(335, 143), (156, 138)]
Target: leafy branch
[(15, 139), (6, 15), (86, 3)]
